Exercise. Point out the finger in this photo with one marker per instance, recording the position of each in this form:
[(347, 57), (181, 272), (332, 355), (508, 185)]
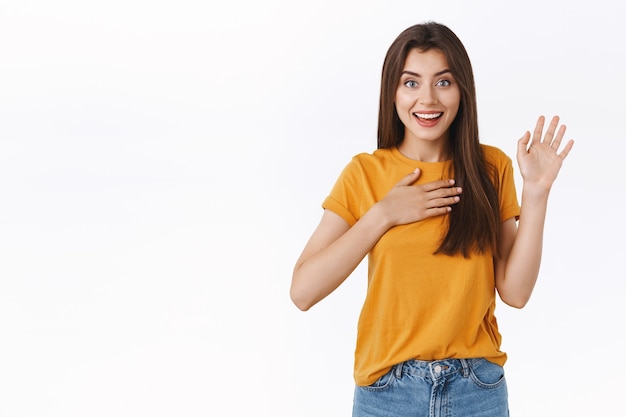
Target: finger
[(559, 137), (444, 192), (551, 129), (522, 144), (409, 179), (436, 185), (437, 211), (538, 129), (566, 150), (444, 202)]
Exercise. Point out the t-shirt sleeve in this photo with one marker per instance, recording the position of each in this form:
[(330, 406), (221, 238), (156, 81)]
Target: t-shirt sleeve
[(509, 205), (344, 197)]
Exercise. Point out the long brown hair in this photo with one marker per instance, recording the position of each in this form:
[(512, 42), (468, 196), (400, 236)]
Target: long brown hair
[(474, 223)]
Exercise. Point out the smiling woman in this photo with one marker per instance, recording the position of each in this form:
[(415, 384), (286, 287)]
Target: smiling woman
[(427, 101), (435, 211)]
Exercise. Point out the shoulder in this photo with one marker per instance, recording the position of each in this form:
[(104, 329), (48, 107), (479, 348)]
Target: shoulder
[(495, 156), (367, 161), (375, 156)]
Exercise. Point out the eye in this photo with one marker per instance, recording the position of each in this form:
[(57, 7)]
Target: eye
[(410, 84), (443, 83)]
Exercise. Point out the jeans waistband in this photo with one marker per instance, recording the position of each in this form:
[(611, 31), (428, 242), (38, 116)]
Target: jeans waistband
[(435, 369)]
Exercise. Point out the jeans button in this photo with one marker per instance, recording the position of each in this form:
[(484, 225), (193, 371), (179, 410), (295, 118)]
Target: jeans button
[(437, 369)]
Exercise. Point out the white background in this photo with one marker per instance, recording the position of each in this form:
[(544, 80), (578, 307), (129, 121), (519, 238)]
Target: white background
[(163, 163)]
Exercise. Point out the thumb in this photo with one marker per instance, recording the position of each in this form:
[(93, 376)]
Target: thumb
[(522, 144), (411, 178)]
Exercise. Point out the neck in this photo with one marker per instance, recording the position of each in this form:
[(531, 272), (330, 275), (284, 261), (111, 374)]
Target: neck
[(439, 151)]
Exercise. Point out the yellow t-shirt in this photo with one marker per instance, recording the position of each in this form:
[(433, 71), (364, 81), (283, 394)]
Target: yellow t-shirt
[(420, 305)]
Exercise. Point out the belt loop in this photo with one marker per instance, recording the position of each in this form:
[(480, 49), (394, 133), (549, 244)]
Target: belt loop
[(466, 367), (397, 371)]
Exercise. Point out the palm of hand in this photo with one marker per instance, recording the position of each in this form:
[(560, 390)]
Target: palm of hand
[(539, 158)]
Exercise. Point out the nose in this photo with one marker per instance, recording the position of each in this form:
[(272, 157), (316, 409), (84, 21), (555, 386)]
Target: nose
[(428, 95)]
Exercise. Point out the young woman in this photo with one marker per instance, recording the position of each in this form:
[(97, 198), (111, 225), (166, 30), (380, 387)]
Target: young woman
[(437, 214)]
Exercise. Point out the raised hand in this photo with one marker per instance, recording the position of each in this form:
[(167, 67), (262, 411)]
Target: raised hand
[(407, 203), (539, 158)]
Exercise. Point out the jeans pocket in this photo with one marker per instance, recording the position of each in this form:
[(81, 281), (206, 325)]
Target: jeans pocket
[(383, 382), (487, 374)]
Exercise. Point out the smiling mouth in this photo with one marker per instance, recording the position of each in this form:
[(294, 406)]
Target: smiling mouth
[(428, 116)]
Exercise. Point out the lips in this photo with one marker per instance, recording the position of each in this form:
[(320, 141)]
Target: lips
[(428, 116), (428, 119)]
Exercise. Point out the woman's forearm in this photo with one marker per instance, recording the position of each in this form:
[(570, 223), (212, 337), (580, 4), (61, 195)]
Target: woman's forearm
[(524, 259), (540, 162), (336, 249), (321, 269)]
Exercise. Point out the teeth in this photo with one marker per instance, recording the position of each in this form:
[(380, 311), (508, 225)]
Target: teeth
[(428, 116)]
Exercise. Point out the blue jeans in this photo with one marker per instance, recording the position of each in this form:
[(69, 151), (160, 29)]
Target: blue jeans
[(444, 388)]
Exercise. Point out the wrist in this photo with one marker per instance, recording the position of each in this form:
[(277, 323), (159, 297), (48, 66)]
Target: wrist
[(535, 193), (379, 217)]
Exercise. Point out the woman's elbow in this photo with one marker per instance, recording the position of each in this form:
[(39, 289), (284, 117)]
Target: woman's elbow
[(301, 304), (298, 297), (518, 305), (515, 302)]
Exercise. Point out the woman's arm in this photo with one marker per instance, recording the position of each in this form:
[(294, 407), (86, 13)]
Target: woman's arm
[(335, 249), (521, 246)]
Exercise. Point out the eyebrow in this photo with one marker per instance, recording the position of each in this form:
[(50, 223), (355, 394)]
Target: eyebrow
[(437, 74)]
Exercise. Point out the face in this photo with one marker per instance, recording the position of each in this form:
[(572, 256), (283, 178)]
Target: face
[(427, 97)]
